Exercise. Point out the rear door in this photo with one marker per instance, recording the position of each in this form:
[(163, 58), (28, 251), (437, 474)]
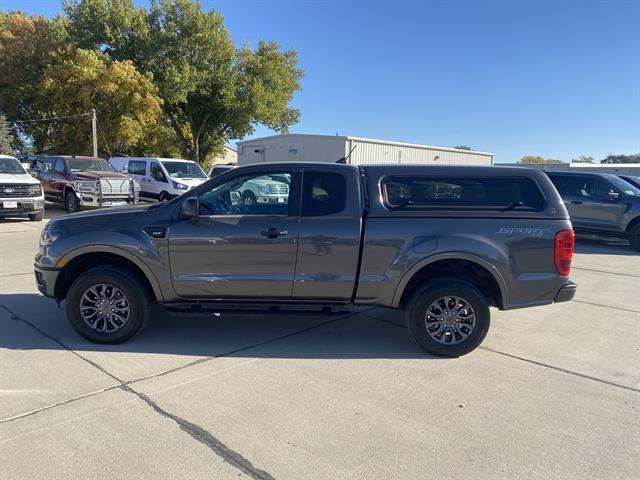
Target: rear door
[(233, 250), (330, 229)]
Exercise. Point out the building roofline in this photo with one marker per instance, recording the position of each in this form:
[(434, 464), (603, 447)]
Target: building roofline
[(368, 140)]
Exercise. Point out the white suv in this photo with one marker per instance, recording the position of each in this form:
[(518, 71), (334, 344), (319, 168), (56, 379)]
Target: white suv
[(20, 193)]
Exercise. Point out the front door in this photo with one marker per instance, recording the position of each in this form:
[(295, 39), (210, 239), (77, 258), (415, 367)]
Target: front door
[(236, 248), (590, 206), (137, 169)]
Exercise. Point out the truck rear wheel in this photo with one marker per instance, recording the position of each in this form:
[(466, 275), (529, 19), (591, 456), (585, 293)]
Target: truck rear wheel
[(107, 305), (448, 318), (71, 203)]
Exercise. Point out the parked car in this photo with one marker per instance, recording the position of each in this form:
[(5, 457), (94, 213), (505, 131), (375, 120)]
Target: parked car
[(20, 193), (343, 236), (635, 181), (265, 189), (85, 182), (600, 204), (217, 170), (161, 179)]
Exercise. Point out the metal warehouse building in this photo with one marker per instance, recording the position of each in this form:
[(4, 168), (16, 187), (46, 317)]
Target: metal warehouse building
[(352, 150)]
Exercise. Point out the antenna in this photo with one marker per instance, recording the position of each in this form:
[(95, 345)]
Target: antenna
[(346, 159)]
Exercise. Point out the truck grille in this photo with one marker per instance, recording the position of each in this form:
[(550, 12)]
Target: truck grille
[(278, 189), (115, 186), (16, 191)]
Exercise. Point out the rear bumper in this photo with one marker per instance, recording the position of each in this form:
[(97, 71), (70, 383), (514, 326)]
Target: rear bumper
[(566, 293), (46, 280)]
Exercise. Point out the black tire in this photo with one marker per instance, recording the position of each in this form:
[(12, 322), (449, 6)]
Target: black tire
[(163, 197), (138, 299), (417, 321), (71, 203), (249, 198), (634, 236), (36, 217)]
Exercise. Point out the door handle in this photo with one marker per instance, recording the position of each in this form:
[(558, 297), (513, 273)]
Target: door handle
[(273, 233), (576, 202)]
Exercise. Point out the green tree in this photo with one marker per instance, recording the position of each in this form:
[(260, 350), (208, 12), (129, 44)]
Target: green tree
[(582, 159), (27, 47), (125, 101), (622, 159), (7, 140), (211, 90), (538, 159), (462, 147)]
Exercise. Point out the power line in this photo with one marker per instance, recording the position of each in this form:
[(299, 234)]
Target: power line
[(51, 119)]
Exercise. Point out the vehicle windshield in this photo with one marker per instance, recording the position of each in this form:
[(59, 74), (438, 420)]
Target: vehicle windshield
[(626, 187), (93, 164), (11, 165), (183, 169)]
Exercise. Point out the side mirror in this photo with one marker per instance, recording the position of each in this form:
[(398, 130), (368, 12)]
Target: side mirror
[(189, 208), (614, 196)]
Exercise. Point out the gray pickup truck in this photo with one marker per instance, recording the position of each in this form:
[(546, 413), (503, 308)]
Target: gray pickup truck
[(439, 244)]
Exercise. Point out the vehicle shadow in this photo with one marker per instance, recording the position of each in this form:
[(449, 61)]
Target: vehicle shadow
[(32, 322), (604, 246)]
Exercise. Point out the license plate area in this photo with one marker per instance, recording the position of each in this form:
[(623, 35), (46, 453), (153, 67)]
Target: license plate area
[(9, 204)]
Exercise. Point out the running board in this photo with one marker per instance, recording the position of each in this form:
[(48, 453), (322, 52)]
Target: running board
[(263, 310)]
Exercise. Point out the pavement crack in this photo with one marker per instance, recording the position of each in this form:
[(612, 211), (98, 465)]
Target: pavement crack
[(605, 271), (534, 362), (606, 306), (203, 436)]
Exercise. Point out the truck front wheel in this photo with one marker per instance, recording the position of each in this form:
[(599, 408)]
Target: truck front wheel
[(634, 236), (71, 202), (448, 318), (107, 305)]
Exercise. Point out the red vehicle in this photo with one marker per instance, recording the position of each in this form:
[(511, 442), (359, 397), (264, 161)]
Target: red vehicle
[(86, 182)]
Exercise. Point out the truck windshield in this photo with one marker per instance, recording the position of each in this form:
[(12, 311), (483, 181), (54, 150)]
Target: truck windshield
[(11, 165), (93, 164), (183, 169)]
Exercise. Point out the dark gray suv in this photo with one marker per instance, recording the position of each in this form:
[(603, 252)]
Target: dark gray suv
[(600, 204)]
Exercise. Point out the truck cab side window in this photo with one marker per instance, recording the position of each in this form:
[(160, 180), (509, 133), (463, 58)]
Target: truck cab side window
[(259, 194), (58, 166), (323, 193)]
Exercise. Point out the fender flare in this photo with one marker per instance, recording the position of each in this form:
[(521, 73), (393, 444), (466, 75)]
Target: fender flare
[(495, 273), (99, 248)]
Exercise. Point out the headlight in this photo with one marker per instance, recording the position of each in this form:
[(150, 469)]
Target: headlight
[(180, 186), (47, 237), (263, 188), (36, 189), (86, 186)]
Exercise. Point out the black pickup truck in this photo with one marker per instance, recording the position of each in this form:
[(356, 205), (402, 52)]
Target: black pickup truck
[(440, 244)]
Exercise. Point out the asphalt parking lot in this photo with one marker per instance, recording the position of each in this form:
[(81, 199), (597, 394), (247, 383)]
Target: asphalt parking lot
[(553, 392)]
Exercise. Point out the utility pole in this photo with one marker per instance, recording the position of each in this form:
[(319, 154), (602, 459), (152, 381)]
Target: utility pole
[(94, 128)]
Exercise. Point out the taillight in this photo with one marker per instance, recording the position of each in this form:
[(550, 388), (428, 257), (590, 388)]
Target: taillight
[(563, 251)]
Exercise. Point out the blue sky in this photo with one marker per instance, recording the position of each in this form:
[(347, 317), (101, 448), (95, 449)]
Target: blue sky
[(551, 78)]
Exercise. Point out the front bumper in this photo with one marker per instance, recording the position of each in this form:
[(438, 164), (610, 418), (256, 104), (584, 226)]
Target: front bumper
[(96, 200), (272, 199), (24, 205), (566, 293), (46, 280)]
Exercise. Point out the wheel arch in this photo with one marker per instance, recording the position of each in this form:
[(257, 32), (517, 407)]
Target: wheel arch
[(82, 259), (420, 272), (632, 224)]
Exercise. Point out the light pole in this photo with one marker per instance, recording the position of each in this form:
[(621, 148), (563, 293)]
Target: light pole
[(94, 132)]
